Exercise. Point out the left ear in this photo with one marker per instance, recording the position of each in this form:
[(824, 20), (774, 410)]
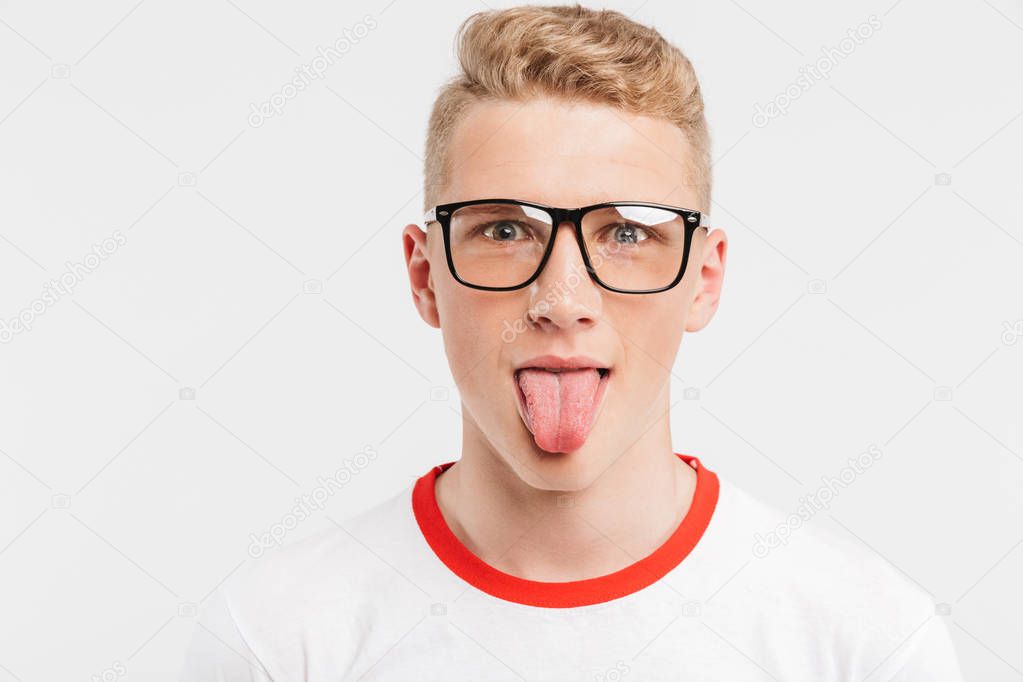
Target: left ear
[(712, 251)]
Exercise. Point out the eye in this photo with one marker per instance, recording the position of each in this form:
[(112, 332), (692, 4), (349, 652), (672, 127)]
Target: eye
[(628, 233), (505, 231)]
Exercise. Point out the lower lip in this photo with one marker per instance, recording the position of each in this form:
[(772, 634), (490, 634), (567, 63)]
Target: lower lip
[(598, 400)]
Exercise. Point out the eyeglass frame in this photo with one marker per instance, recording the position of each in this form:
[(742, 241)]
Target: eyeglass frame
[(441, 214)]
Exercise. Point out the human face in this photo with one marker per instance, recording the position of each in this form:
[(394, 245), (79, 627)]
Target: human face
[(553, 152)]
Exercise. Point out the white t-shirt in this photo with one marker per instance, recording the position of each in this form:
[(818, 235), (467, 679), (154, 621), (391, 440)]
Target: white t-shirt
[(394, 595)]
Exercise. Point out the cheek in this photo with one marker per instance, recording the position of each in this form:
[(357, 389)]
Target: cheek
[(461, 336), (474, 325), (651, 329)]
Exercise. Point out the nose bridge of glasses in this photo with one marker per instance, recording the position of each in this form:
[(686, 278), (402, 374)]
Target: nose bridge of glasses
[(567, 255), (564, 216), (560, 216)]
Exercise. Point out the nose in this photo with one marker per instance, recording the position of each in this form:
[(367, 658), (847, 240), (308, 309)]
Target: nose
[(564, 296)]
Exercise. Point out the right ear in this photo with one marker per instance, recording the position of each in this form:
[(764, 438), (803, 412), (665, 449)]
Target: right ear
[(418, 263)]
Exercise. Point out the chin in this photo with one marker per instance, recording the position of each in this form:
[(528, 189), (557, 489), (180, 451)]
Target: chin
[(564, 471)]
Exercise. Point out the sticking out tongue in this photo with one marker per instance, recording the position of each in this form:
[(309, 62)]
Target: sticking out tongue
[(560, 406)]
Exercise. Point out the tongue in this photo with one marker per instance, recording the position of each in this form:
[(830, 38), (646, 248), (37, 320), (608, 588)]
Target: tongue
[(559, 406)]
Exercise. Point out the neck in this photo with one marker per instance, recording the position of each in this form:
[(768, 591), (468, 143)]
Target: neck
[(553, 536)]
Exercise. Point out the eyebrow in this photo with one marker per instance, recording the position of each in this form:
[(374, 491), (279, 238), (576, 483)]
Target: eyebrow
[(483, 208)]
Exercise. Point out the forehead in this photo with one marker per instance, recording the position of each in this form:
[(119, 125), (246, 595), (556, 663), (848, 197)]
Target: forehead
[(567, 154)]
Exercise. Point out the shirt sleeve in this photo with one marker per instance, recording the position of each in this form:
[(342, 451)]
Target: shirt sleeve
[(217, 651), (932, 656)]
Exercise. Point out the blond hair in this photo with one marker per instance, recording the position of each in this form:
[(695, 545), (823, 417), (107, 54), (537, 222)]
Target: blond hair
[(575, 53)]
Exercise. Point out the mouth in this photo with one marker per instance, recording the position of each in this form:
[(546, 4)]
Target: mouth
[(602, 371), (559, 399)]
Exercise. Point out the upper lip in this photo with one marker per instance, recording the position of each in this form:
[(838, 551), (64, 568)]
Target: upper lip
[(560, 362)]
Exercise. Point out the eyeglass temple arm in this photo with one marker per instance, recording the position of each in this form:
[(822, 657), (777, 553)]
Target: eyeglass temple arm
[(431, 216)]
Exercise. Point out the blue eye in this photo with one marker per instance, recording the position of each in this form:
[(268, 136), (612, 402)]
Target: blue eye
[(627, 233)]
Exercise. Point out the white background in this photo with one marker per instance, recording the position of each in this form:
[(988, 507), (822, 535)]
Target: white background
[(872, 296)]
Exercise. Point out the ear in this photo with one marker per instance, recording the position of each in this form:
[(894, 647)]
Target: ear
[(711, 253), (418, 263)]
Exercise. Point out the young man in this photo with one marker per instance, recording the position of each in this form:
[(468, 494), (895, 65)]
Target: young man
[(564, 253)]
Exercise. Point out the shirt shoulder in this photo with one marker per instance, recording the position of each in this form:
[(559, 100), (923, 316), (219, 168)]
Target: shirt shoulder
[(323, 587), (807, 579)]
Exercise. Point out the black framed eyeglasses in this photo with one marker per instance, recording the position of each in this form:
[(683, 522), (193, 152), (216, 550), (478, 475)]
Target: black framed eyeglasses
[(629, 247)]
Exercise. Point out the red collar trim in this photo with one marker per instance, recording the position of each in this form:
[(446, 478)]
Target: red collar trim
[(634, 577)]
